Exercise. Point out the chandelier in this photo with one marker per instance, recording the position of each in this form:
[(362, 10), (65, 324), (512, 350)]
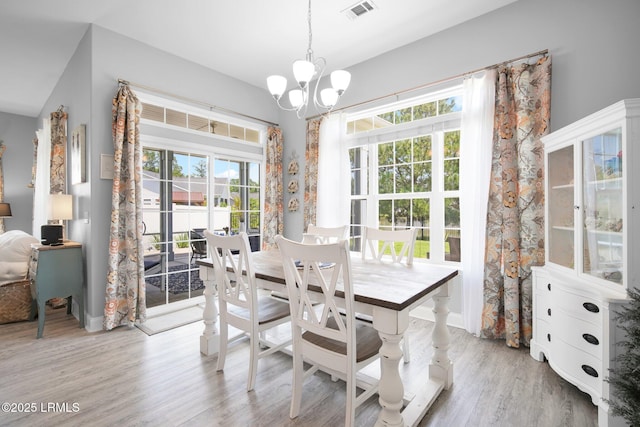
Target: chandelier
[(304, 71)]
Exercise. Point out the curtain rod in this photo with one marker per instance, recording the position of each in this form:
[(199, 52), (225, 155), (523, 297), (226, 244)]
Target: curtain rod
[(437, 82), (194, 101)]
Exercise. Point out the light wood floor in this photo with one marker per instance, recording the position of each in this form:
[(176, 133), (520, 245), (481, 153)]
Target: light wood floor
[(127, 378)]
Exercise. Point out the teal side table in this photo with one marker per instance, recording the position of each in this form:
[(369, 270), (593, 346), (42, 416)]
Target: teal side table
[(57, 272)]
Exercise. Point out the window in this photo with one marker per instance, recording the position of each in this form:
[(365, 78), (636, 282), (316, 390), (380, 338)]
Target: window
[(405, 164)]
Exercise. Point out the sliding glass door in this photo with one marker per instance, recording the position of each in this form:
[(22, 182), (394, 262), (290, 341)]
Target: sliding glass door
[(175, 212)]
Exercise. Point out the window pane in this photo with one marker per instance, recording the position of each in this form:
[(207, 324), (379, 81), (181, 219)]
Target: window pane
[(450, 105), (385, 180), (385, 213), (422, 177), (403, 178), (422, 148), (403, 151), (452, 144), (452, 212), (451, 175), (403, 115), (387, 116), (401, 211), (385, 153), (452, 162), (424, 110)]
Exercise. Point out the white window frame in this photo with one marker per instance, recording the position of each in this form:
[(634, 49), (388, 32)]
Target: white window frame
[(434, 126)]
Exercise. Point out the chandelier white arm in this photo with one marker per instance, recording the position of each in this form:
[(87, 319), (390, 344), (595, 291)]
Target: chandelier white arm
[(304, 71)]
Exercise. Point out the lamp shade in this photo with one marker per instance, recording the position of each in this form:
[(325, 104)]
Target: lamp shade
[(329, 97), (340, 80), (303, 72), (296, 97), (60, 206), (5, 210), (276, 85)]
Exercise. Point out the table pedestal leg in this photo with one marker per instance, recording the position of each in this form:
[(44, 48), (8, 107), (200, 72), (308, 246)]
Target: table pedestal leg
[(210, 338), (390, 388), (441, 367)]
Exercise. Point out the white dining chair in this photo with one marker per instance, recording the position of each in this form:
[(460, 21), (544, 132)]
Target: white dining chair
[(382, 246), (327, 234), (240, 304), (322, 336)]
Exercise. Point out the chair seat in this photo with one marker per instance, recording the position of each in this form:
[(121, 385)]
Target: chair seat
[(269, 310), (368, 341)]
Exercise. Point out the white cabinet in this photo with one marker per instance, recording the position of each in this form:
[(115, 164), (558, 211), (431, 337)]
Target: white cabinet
[(592, 234)]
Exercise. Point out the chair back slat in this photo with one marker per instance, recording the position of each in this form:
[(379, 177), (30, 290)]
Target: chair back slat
[(230, 260), (382, 243), (327, 268), (325, 234)]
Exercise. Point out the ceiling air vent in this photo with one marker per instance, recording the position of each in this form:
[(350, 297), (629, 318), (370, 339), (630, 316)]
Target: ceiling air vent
[(359, 9)]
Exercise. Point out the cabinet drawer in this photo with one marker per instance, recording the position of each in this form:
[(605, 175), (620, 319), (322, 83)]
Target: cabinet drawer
[(578, 368), (575, 305), (583, 335), (543, 334)]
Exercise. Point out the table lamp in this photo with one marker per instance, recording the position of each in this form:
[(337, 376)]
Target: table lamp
[(5, 210), (60, 209)]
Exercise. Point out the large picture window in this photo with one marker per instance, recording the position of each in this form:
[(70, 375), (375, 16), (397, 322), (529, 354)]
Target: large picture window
[(405, 168)]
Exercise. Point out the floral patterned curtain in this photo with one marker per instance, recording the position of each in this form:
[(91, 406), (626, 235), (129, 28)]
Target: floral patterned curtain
[(274, 196), (125, 293), (58, 182), (311, 172), (515, 219), (2, 149)]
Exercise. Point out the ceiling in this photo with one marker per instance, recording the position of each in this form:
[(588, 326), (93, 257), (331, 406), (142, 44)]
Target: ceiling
[(246, 39)]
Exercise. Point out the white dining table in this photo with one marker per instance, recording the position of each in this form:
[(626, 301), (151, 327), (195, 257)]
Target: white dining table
[(387, 292)]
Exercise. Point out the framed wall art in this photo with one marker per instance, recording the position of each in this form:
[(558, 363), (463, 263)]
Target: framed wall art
[(78, 157)]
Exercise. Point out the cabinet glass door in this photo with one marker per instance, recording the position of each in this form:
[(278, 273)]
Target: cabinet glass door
[(560, 206), (603, 208)]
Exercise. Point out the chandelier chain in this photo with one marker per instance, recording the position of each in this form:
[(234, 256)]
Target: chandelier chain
[(309, 50)]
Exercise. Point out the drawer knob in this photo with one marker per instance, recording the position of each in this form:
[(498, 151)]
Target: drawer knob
[(549, 337), (549, 286), (590, 371), (548, 311), (589, 306), (590, 339)]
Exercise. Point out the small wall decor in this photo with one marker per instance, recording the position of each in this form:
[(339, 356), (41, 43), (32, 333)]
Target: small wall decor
[(106, 166), (292, 186), (78, 162), (293, 168)]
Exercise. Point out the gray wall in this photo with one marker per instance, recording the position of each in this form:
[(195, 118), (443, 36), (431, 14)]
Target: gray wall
[(87, 89), (593, 44), (17, 133)]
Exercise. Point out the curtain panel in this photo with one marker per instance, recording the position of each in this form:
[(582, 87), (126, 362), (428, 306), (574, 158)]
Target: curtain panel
[(274, 196), (475, 168), (333, 203), (125, 293), (58, 171), (515, 219), (311, 172), (42, 155)]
